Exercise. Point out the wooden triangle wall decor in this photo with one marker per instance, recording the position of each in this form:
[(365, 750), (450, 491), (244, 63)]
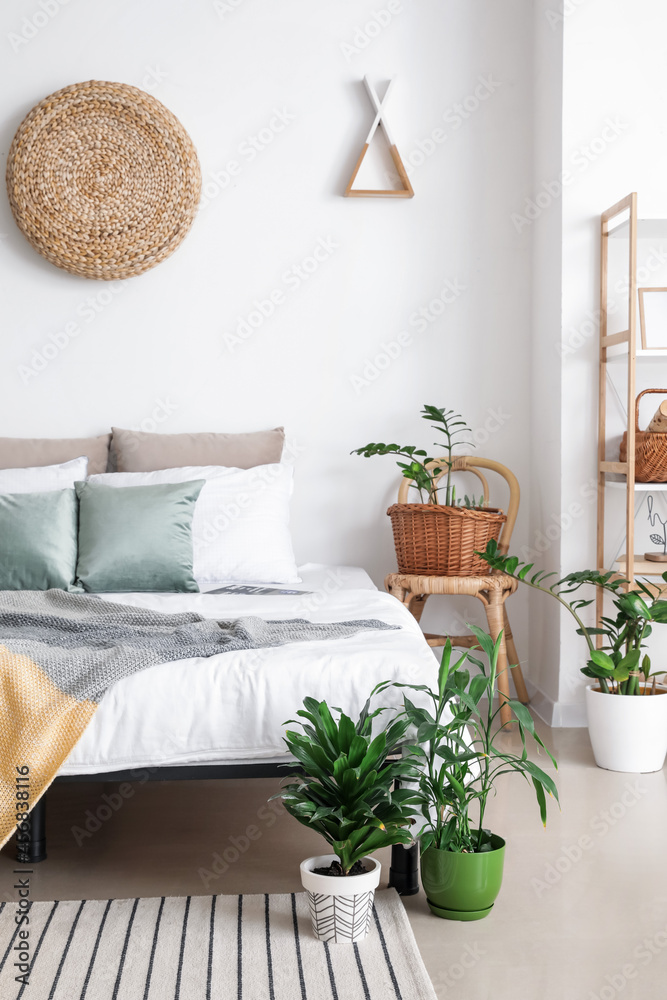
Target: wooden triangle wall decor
[(406, 191)]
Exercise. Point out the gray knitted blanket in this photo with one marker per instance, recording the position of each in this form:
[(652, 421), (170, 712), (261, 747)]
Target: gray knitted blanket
[(84, 644)]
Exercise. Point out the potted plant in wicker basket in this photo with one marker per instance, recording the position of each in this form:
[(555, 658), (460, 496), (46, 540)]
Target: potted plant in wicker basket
[(625, 705), (443, 534), (345, 792), (461, 753)]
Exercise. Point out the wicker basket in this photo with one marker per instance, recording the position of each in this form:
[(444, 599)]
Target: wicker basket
[(650, 449), (435, 540)]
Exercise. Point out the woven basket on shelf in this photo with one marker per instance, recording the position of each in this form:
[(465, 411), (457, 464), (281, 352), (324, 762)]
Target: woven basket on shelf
[(650, 449), (435, 540)]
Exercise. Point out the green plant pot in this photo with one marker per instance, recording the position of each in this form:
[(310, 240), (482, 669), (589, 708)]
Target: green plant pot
[(462, 886)]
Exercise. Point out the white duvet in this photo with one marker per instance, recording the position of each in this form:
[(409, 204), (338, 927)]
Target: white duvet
[(233, 707)]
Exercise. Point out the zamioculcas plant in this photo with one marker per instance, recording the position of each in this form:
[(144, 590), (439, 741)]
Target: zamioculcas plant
[(346, 792), (619, 664), (451, 425), (626, 733)]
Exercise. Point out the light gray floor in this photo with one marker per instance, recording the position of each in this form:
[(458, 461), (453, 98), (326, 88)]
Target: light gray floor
[(582, 912)]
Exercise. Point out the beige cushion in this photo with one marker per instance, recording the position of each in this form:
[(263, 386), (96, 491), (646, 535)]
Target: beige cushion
[(24, 453), (137, 451)]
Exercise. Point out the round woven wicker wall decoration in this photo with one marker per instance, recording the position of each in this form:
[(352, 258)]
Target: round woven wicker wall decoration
[(103, 180)]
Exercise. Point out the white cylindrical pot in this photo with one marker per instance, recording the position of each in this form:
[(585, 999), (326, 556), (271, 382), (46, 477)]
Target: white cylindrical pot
[(341, 908), (628, 732)]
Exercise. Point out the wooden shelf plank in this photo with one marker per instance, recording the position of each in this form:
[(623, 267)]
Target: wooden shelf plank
[(643, 567), (653, 354), (647, 229), (639, 487), (616, 338), (618, 467)]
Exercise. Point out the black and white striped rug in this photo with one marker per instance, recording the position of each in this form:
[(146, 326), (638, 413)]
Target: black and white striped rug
[(205, 948)]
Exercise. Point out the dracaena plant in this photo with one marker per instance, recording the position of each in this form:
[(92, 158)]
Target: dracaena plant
[(459, 754), (419, 466), (346, 791), (618, 664)]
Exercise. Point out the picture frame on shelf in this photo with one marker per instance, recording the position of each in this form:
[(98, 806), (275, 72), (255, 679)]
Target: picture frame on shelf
[(653, 318)]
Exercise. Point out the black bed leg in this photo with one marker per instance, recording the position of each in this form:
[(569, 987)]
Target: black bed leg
[(31, 842), (404, 871)]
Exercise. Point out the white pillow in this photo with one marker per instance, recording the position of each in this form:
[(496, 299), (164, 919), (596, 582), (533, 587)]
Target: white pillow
[(44, 478), (240, 529)]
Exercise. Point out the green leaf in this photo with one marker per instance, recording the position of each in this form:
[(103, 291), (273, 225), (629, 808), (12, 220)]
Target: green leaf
[(346, 733), (631, 660), (478, 687), (659, 610), (523, 715), (541, 799), (632, 604), (443, 672), (601, 659)]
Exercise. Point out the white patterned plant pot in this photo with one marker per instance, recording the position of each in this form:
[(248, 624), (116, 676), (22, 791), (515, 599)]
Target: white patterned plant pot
[(341, 908)]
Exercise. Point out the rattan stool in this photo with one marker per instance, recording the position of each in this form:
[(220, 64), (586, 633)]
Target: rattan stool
[(492, 591)]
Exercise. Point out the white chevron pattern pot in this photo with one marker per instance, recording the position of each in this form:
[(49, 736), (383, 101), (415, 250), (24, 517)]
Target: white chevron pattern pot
[(338, 915)]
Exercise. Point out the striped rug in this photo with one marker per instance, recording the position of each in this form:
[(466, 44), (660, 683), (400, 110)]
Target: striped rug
[(207, 948)]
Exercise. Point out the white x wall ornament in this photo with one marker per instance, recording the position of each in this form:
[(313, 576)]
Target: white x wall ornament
[(380, 121)]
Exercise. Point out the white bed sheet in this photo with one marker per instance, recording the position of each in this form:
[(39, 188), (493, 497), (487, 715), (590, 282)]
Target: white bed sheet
[(232, 707)]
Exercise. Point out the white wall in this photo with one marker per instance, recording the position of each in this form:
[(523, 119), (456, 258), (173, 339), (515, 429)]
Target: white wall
[(223, 70), (575, 87), (614, 142), (545, 230)]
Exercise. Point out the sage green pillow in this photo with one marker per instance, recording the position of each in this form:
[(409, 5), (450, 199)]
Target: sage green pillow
[(38, 540), (136, 538)]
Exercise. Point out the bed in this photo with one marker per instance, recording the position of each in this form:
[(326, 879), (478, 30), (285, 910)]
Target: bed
[(156, 522), (223, 716), (231, 708)]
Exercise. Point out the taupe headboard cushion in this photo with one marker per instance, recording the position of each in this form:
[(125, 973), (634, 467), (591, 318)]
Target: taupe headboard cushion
[(137, 451), (24, 453)]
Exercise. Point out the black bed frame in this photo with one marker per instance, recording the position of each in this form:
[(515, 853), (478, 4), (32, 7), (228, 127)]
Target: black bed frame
[(403, 873)]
